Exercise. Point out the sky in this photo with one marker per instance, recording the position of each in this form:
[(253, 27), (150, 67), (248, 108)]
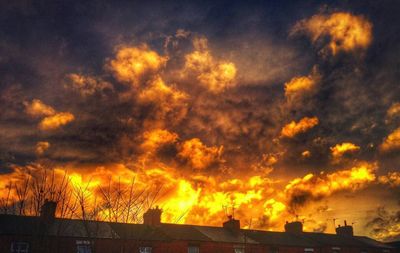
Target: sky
[(271, 111)]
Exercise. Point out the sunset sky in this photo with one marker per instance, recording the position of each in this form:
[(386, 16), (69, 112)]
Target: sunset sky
[(270, 110)]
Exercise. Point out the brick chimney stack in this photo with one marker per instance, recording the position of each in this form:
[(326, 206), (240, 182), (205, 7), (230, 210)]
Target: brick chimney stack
[(295, 227), (232, 224), (152, 217), (48, 211), (345, 230)]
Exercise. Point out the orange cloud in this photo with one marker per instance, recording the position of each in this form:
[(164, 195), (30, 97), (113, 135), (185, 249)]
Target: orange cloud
[(41, 147), (316, 187), (340, 149), (294, 128), (393, 111), (392, 179), (392, 141), (38, 109), (168, 101), (87, 85), (55, 121), (306, 154), (199, 155), (212, 74), (156, 138), (133, 64), (301, 85), (346, 31)]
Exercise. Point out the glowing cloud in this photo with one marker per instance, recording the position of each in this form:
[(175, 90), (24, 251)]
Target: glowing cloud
[(199, 155), (392, 179), (55, 121), (41, 147), (346, 31), (294, 128), (156, 138), (316, 187), (38, 109), (133, 64), (340, 149), (392, 141), (212, 74), (167, 100), (87, 85), (393, 111), (301, 85)]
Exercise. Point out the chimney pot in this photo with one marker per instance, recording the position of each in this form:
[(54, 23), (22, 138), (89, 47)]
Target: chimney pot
[(152, 217), (48, 211), (345, 230), (295, 227), (232, 224)]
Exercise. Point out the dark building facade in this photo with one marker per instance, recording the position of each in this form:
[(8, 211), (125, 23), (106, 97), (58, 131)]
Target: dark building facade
[(23, 234)]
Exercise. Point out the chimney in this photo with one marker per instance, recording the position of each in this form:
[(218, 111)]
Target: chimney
[(152, 217), (48, 211), (346, 230), (295, 227), (231, 224)]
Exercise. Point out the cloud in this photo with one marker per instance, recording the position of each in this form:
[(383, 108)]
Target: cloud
[(301, 85), (168, 101), (55, 121), (52, 119), (391, 142), (393, 111), (215, 75), (294, 128), (313, 187), (41, 147), (198, 155), (87, 85), (392, 179), (156, 138), (384, 225), (134, 64), (346, 32), (37, 108), (340, 149)]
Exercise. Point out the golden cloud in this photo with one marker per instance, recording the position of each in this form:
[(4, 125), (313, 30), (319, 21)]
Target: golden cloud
[(55, 121), (199, 155), (157, 138), (212, 74), (301, 85), (133, 64), (87, 85), (306, 154), (316, 187), (392, 179), (346, 31), (294, 128), (41, 147), (340, 149), (393, 111), (38, 109), (391, 142)]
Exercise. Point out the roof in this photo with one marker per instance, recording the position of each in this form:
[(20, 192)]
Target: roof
[(28, 225), (279, 238)]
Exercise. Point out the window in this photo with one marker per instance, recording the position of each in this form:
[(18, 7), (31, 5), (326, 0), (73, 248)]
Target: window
[(19, 247), (145, 250), (83, 247), (193, 249), (238, 249)]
